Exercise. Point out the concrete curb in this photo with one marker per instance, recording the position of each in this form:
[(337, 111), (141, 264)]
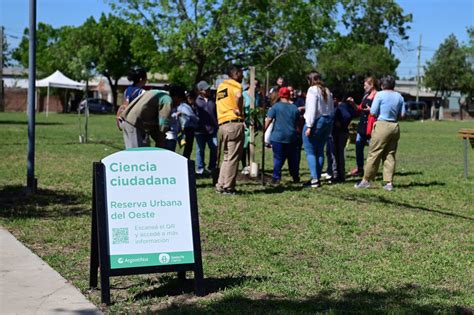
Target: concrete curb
[(29, 286)]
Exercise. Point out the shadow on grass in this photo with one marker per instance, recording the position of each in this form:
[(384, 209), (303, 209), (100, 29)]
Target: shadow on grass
[(17, 122), (381, 199), (420, 184), (15, 203), (408, 173), (175, 287), (405, 299), (111, 144)]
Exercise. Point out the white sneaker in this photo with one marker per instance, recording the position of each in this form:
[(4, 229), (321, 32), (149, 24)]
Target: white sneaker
[(326, 176), (388, 187), (200, 171), (246, 170), (362, 185)]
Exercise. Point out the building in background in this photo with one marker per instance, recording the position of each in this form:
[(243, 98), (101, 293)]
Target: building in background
[(15, 92)]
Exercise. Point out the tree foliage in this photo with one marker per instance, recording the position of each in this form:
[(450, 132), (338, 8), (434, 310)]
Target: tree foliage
[(197, 39), (49, 56), (467, 81), (109, 46), (449, 69), (191, 40), (375, 21), (346, 63), (5, 56)]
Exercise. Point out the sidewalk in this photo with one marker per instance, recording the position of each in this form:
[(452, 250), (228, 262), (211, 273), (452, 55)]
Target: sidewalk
[(29, 286)]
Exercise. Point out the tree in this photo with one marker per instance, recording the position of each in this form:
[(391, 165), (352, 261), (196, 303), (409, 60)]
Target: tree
[(48, 56), (197, 39), (467, 80), (5, 49), (109, 46), (375, 21), (345, 64), (449, 69)]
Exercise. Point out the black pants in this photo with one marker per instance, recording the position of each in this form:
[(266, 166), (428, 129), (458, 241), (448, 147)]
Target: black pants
[(340, 140), (188, 147)]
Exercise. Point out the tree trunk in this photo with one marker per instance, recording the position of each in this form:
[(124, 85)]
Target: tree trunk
[(113, 89), (199, 72)]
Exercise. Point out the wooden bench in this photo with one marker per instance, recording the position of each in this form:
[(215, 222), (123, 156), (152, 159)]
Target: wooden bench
[(466, 135)]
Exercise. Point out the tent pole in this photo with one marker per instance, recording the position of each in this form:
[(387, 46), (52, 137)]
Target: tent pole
[(47, 103)]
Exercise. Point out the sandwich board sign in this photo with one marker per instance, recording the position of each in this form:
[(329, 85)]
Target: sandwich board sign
[(145, 217)]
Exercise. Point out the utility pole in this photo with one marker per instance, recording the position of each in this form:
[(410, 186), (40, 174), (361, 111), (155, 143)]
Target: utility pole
[(418, 78), (1, 70), (31, 181), (418, 71)]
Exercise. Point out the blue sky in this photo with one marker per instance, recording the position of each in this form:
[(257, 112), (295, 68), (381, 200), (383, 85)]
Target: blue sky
[(433, 19)]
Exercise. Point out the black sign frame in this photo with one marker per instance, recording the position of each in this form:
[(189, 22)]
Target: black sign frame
[(100, 252)]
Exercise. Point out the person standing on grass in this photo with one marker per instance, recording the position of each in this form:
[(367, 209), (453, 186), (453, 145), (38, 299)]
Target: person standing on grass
[(148, 116), (207, 129), (172, 134), (230, 116), (363, 138), (139, 78), (284, 138), (318, 124), (387, 106), (273, 93), (343, 115), (188, 119)]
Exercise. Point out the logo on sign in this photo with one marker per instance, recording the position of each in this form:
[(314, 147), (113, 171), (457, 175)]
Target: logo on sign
[(164, 258), (120, 260)]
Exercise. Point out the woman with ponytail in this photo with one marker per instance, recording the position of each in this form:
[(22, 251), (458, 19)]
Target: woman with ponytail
[(319, 109)]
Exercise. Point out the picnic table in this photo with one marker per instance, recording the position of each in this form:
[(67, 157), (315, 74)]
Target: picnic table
[(466, 135)]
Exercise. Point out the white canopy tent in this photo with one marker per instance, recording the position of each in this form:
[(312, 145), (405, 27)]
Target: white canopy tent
[(58, 80)]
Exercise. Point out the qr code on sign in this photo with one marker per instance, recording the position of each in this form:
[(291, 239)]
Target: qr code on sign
[(120, 236)]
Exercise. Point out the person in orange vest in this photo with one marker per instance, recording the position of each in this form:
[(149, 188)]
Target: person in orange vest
[(230, 116)]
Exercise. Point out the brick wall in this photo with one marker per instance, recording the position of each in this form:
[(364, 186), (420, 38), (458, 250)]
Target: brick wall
[(16, 100)]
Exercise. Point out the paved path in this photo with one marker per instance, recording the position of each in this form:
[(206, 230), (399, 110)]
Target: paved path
[(29, 286)]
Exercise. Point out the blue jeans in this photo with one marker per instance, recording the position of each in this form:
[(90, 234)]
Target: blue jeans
[(201, 140), (281, 152), (314, 145), (361, 140)]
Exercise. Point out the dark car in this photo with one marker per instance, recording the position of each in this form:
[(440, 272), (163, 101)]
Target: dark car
[(415, 110), (96, 106)]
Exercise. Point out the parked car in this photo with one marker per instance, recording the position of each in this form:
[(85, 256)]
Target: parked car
[(415, 110), (96, 106)]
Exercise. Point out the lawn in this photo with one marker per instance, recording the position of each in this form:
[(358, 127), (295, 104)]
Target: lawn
[(269, 249)]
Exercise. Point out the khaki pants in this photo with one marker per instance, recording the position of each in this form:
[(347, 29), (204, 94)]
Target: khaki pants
[(383, 146), (231, 138)]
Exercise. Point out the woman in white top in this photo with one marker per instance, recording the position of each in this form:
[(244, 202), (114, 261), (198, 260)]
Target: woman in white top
[(319, 109)]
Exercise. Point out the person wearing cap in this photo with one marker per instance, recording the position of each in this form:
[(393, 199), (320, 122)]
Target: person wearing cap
[(284, 137), (207, 128), (229, 104), (148, 116)]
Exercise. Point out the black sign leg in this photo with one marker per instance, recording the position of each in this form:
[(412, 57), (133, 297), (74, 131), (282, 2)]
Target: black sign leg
[(182, 275), (199, 280), (94, 259), (198, 270), (104, 261), (105, 288), (94, 253)]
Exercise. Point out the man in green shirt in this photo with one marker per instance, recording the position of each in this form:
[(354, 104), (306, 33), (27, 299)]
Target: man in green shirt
[(148, 116)]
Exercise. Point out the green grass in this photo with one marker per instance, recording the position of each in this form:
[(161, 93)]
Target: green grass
[(270, 249)]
